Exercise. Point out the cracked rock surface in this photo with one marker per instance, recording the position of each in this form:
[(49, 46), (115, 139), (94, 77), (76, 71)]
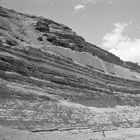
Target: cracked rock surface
[(52, 79)]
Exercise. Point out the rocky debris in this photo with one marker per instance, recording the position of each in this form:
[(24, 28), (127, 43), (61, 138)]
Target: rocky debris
[(52, 78)]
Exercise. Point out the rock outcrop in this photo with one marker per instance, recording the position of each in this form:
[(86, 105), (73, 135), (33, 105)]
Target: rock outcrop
[(52, 79)]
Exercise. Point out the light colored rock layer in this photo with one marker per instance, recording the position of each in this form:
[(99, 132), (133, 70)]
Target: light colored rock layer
[(87, 59)]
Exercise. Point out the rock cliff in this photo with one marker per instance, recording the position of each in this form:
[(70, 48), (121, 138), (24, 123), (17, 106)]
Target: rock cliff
[(52, 79)]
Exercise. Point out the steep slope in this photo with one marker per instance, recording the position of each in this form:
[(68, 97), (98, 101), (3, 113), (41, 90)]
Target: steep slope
[(52, 79)]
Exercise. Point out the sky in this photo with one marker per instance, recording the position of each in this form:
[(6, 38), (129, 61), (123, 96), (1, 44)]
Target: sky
[(113, 25)]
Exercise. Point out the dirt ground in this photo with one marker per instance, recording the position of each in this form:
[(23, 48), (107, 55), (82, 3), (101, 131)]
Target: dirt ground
[(120, 134)]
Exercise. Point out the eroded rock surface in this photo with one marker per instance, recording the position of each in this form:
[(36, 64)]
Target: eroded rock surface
[(52, 79)]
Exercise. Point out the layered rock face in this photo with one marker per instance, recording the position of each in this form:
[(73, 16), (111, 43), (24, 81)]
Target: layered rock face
[(51, 78)]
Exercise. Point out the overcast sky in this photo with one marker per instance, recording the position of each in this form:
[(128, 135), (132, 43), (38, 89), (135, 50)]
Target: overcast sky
[(111, 24)]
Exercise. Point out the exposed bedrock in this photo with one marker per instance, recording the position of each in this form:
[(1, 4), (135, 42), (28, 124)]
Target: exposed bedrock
[(51, 78), (98, 88)]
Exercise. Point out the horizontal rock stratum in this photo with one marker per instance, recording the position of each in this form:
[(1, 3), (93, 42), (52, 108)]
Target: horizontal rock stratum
[(52, 79)]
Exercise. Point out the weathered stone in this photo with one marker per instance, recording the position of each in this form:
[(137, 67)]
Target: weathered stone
[(50, 78)]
